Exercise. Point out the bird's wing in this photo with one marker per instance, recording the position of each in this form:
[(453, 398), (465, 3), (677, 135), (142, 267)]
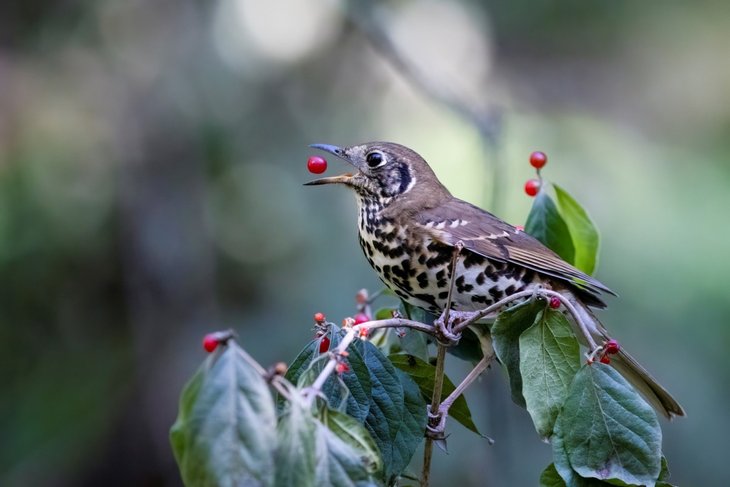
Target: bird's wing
[(483, 233)]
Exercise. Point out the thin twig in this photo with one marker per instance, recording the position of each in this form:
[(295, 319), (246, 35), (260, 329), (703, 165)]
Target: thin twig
[(488, 122), (576, 316), (435, 403), (478, 315), (349, 337), (480, 367), (438, 379)]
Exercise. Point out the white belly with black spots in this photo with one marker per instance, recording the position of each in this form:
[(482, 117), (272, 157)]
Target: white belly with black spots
[(419, 272)]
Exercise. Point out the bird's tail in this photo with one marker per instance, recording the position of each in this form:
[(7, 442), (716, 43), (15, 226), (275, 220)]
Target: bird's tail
[(627, 366)]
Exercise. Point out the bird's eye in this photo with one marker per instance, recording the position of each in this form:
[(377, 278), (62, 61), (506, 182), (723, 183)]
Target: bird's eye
[(375, 159)]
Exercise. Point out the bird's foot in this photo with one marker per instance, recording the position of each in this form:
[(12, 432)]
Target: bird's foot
[(445, 325), (436, 425)]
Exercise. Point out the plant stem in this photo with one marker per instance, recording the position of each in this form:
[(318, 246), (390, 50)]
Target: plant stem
[(438, 385)]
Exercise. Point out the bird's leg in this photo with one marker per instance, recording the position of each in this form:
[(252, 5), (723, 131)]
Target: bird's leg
[(436, 426), (445, 323)]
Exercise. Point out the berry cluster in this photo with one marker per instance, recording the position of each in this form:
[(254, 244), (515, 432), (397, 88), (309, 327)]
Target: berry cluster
[(611, 347), (537, 160), (321, 329)]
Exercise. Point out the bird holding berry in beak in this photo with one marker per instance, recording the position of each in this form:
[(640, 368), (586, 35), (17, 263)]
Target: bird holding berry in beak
[(409, 226)]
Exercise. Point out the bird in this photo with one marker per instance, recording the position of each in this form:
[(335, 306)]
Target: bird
[(409, 226)]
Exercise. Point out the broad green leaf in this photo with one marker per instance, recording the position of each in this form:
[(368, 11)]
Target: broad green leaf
[(349, 430), (551, 478), (397, 417), (356, 382), (506, 333), (609, 432), (585, 235), (337, 452), (296, 455), (384, 313), (562, 466), (545, 224), (225, 433), (549, 359), (414, 343), (416, 314), (469, 347), (423, 375), (339, 464), (413, 425)]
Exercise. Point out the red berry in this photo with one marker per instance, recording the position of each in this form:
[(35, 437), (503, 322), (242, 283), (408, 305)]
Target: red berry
[(324, 344), (555, 302), (319, 317), (538, 159), (612, 347), (210, 342), (532, 187), (316, 164), (342, 367), (361, 318), (605, 359)]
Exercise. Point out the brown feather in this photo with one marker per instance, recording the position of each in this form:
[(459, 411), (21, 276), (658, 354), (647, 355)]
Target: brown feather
[(487, 235)]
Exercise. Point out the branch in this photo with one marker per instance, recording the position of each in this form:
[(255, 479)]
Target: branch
[(352, 333), (538, 292), (488, 122)]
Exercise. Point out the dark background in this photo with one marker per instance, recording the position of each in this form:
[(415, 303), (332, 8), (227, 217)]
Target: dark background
[(151, 161)]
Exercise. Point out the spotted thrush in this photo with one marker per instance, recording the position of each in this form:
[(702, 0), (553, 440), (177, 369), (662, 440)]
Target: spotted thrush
[(409, 225)]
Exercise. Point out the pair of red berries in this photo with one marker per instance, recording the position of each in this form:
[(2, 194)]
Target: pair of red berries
[(611, 347), (324, 342), (537, 160)]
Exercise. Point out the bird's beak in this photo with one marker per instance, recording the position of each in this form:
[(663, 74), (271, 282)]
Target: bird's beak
[(341, 179)]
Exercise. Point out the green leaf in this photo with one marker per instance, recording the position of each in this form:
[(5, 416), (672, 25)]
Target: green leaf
[(551, 478), (349, 430), (549, 359), (414, 343), (608, 431), (585, 235), (423, 374), (353, 386), (225, 433), (296, 455), (469, 347), (562, 465), (336, 451), (416, 314), (664, 474), (506, 333), (384, 313), (397, 417), (356, 383), (545, 224)]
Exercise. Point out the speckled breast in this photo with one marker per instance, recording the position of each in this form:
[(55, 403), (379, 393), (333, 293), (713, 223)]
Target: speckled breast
[(418, 269)]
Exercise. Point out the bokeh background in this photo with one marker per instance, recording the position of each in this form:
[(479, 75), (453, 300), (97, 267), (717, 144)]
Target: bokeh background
[(151, 161)]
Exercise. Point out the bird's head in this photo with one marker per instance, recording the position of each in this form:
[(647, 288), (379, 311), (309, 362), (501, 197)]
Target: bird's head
[(385, 170)]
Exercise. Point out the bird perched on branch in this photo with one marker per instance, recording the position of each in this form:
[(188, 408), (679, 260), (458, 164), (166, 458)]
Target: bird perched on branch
[(409, 225)]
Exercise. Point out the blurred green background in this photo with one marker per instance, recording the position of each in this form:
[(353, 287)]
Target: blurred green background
[(151, 161)]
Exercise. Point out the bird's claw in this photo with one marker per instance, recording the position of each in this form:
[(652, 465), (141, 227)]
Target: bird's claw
[(444, 329), (436, 425)]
